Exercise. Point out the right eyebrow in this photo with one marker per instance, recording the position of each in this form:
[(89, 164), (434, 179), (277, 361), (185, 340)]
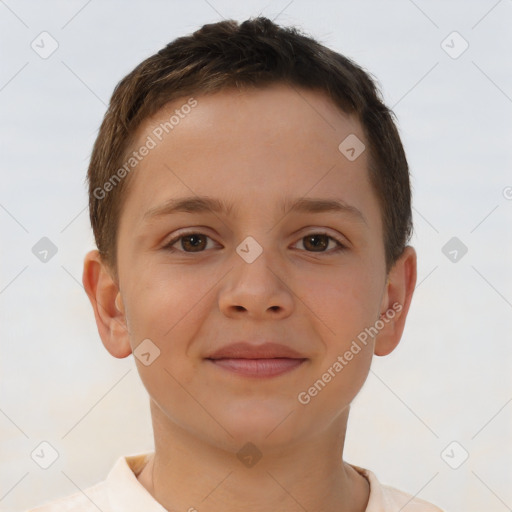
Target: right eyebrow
[(190, 204), (202, 204)]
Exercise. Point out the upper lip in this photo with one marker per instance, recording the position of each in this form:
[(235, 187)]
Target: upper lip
[(244, 350)]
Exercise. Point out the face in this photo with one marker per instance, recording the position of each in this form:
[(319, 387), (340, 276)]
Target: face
[(198, 278)]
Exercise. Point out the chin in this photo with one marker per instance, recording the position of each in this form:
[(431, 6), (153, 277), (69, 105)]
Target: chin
[(260, 422)]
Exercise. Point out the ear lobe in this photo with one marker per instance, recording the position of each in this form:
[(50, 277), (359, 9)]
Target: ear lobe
[(103, 294), (396, 301)]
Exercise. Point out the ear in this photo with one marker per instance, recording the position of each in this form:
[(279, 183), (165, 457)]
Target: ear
[(105, 297), (396, 301)]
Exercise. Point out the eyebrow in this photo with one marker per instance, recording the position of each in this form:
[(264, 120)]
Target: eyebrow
[(204, 204)]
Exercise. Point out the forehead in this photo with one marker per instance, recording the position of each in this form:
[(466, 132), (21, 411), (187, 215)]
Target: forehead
[(247, 146)]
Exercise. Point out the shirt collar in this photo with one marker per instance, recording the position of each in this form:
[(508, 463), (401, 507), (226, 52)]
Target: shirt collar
[(127, 494), (377, 500)]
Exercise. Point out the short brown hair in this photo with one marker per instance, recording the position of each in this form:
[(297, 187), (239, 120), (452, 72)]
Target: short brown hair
[(254, 53)]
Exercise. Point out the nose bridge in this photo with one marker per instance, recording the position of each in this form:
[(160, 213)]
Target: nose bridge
[(256, 283), (258, 238), (255, 261)]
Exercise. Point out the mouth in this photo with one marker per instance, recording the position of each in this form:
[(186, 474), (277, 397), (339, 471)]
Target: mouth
[(258, 367), (257, 360)]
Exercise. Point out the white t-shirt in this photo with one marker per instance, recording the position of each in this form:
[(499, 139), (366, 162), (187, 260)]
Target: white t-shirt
[(122, 492)]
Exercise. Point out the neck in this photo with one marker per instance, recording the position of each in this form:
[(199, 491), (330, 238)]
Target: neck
[(188, 473)]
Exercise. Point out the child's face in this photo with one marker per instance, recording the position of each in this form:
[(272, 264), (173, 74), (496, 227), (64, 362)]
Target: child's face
[(251, 150)]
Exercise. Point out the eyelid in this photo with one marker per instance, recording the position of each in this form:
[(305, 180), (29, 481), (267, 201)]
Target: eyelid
[(341, 243), (180, 234), (318, 230)]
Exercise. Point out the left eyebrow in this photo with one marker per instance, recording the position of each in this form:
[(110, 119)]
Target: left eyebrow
[(317, 205), (204, 204)]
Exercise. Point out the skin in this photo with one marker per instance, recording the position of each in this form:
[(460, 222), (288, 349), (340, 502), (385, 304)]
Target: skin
[(251, 148)]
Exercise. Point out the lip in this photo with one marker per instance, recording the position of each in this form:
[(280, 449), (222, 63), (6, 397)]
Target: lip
[(257, 360), (244, 350), (259, 368)]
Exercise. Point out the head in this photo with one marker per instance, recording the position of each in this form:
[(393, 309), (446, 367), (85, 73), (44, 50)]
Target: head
[(250, 122)]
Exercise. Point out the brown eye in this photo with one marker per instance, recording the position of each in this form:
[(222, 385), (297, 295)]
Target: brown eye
[(190, 242), (195, 241), (198, 242), (319, 242)]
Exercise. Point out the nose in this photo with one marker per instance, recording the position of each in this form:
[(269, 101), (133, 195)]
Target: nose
[(257, 289)]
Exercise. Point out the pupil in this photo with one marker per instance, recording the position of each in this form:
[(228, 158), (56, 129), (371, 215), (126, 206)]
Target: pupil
[(193, 240), (320, 243)]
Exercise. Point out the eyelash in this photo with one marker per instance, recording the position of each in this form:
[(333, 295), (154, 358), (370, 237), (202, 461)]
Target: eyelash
[(168, 246)]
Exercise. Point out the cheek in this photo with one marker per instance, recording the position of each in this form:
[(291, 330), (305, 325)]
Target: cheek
[(164, 307), (168, 306), (335, 383), (162, 300), (345, 299)]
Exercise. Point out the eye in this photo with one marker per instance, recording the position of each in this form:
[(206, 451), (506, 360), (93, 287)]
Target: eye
[(320, 241), (193, 241), (197, 242)]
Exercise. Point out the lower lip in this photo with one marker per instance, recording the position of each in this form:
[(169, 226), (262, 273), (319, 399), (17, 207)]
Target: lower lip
[(258, 367)]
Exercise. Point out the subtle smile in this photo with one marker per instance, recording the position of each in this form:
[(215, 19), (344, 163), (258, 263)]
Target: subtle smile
[(258, 367)]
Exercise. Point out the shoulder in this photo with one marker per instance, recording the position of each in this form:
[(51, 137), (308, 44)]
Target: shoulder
[(385, 498), (404, 501), (119, 491), (90, 500)]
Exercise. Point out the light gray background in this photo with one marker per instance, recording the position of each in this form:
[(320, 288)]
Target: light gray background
[(449, 379)]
